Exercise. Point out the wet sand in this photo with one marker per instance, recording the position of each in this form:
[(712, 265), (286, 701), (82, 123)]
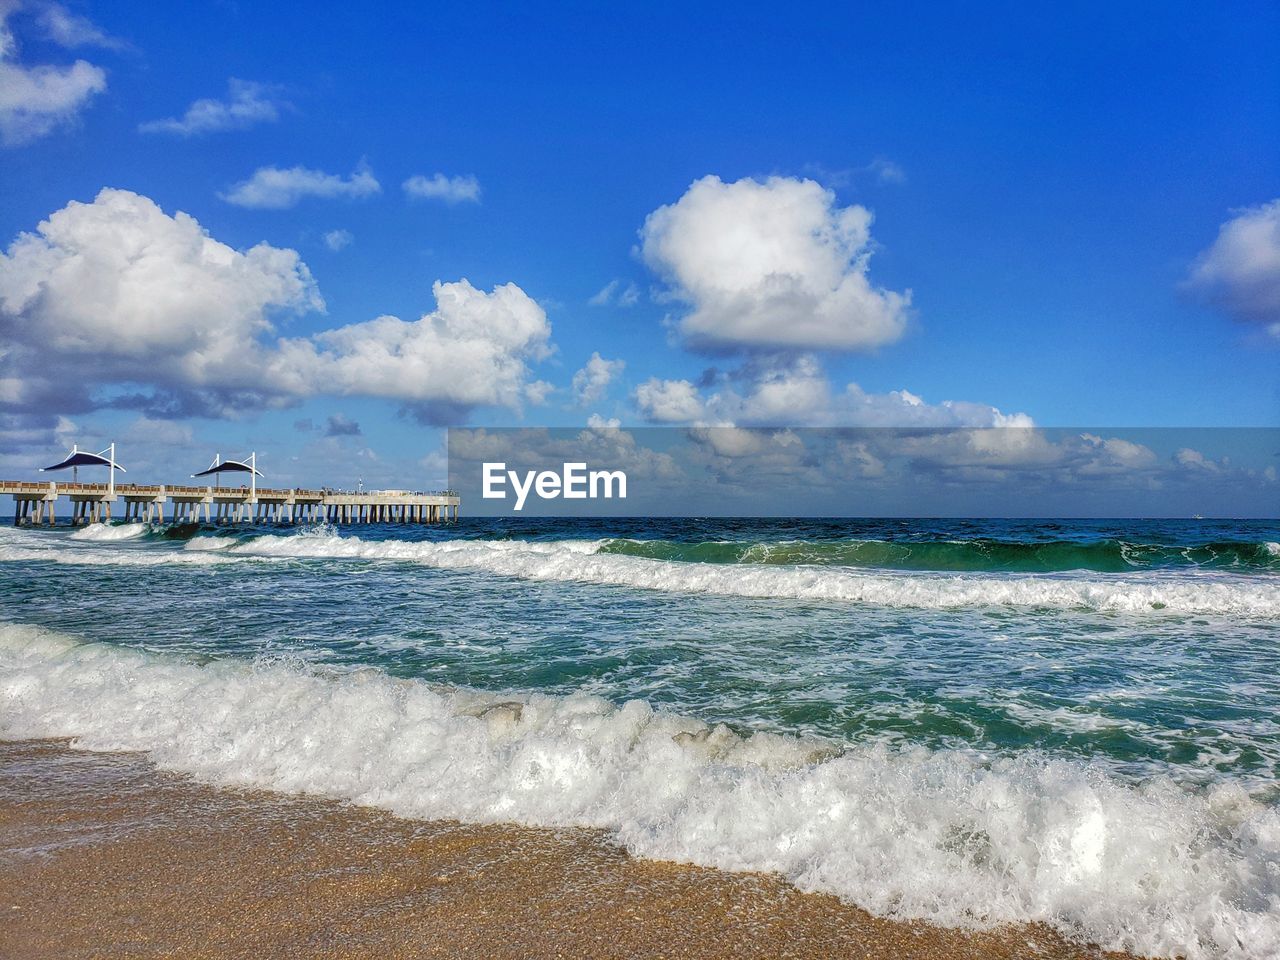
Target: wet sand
[(103, 856)]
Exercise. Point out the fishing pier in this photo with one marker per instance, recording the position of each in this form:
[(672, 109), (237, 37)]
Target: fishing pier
[(36, 503)]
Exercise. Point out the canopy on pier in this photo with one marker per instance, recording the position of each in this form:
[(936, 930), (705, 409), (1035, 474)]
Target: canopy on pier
[(228, 466), (82, 458)]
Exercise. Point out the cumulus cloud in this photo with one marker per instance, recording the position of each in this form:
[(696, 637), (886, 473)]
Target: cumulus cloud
[(460, 189), (962, 455), (618, 293), (796, 391), (246, 104), (119, 290), (337, 240), (591, 382), (537, 391), (668, 401), (1240, 272), (470, 351), (271, 188), (1194, 460), (117, 294), (36, 100), (773, 264)]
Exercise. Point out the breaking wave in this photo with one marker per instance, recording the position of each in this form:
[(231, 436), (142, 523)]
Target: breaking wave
[(976, 555), (946, 835), (785, 571), (585, 561), (111, 532)]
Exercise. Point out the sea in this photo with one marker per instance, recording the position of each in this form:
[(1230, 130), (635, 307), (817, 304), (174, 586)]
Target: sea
[(966, 722)]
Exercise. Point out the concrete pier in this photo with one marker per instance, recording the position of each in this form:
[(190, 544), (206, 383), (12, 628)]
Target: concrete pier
[(35, 504)]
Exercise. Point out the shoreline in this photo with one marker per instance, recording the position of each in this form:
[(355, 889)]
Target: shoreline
[(103, 854)]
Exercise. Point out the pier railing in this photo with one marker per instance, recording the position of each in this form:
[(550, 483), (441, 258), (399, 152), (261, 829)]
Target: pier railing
[(35, 502)]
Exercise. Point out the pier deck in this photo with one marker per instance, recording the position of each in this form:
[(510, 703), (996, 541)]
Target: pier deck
[(36, 503)]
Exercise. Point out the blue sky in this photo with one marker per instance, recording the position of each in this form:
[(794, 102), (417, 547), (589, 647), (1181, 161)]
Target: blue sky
[(1050, 189)]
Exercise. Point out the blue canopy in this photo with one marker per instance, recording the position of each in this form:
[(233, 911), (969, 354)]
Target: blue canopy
[(79, 458), (228, 466)]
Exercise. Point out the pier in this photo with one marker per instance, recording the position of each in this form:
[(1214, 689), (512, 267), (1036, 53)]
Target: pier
[(35, 503)]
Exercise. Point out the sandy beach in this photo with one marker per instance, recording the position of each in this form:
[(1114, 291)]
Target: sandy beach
[(101, 855)]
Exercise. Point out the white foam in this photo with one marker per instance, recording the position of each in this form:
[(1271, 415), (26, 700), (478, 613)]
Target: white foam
[(209, 544), (579, 561), (110, 532), (943, 835)]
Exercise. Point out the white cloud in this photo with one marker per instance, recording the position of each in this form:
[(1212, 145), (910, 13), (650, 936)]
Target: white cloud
[(119, 288), (1194, 460), (35, 100), (458, 189), (271, 188), (773, 264), (597, 422), (470, 351), (812, 460), (536, 392), (616, 292), (117, 294), (337, 240), (1240, 272), (668, 401), (68, 30), (780, 392), (246, 104), (590, 383)]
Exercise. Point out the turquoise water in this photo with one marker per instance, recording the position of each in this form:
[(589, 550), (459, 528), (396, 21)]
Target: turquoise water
[(966, 721)]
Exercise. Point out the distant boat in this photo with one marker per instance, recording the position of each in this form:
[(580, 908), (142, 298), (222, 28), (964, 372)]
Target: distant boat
[(1198, 516)]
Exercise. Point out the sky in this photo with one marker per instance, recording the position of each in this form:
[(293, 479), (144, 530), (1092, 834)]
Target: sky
[(327, 233)]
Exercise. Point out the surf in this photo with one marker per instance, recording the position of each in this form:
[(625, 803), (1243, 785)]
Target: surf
[(976, 555), (591, 562), (952, 836)]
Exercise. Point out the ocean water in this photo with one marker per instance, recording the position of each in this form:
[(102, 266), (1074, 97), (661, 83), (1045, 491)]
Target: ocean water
[(968, 722)]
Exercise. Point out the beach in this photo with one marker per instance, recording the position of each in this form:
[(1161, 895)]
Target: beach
[(100, 855), (643, 738)]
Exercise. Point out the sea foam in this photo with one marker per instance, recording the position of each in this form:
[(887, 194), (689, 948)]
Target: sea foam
[(581, 561), (109, 532), (948, 835)]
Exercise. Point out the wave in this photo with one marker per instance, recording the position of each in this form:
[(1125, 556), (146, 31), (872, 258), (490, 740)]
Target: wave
[(584, 561), (948, 836), (111, 532), (976, 555), (598, 562), (92, 546), (209, 544)]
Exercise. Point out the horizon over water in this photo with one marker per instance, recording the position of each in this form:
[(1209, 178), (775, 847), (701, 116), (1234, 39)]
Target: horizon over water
[(969, 722)]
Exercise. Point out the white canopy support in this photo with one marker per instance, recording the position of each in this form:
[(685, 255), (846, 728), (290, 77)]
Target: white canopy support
[(248, 465), (78, 458)]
